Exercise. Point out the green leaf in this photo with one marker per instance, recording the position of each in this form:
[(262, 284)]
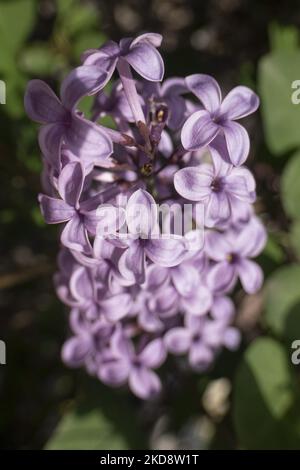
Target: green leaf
[(284, 38), (273, 249), (81, 18), (295, 238), (276, 73), (88, 431), (38, 59), (266, 414), (103, 419), (16, 22), (290, 187), (282, 301), (87, 41)]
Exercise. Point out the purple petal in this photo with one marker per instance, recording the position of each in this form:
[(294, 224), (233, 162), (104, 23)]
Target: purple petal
[(149, 321), (113, 372), (251, 275), (221, 277), (217, 246), (166, 251), (157, 277), (82, 81), (237, 141), (41, 103), (154, 354), (199, 302), (240, 102), (167, 302), (75, 350), (116, 307), (200, 356), (70, 183), (132, 263), (81, 286), (146, 61), (50, 141), (223, 309), (55, 211), (252, 239), (151, 38), (173, 86), (74, 235), (194, 183), (206, 89), (105, 58), (185, 279), (141, 213), (105, 220), (85, 138), (177, 109), (218, 208), (198, 130), (232, 338), (241, 184), (178, 340), (144, 383)]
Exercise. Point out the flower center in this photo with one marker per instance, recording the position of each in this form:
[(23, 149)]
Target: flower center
[(217, 185), (232, 258)]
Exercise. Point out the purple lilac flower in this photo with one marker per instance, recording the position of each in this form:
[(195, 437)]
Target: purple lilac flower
[(81, 216), (218, 117), (220, 186), (139, 283), (62, 123)]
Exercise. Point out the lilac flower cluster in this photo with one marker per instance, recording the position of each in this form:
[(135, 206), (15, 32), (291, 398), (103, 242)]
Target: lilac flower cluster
[(139, 295)]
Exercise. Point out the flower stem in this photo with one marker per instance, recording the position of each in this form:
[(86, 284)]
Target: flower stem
[(130, 90)]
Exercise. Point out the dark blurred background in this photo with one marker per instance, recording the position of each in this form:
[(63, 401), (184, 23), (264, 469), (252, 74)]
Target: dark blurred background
[(44, 39)]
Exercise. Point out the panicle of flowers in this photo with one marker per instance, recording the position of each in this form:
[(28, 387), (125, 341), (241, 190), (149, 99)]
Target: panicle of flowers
[(140, 294)]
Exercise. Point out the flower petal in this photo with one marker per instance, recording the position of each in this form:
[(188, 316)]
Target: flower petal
[(166, 251), (197, 303), (240, 102), (82, 81), (75, 350), (153, 354), (200, 356), (218, 208), (141, 214), (74, 235), (241, 184), (113, 372), (50, 142), (132, 263), (116, 307), (41, 103), (217, 246), (237, 141), (221, 277), (223, 309), (85, 138), (146, 61), (206, 89), (194, 183), (70, 183), (55, 211), (198, 130), (144, 383), (178, 340), (252, 239), (151, 38), (251, 275), (232, 338)]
